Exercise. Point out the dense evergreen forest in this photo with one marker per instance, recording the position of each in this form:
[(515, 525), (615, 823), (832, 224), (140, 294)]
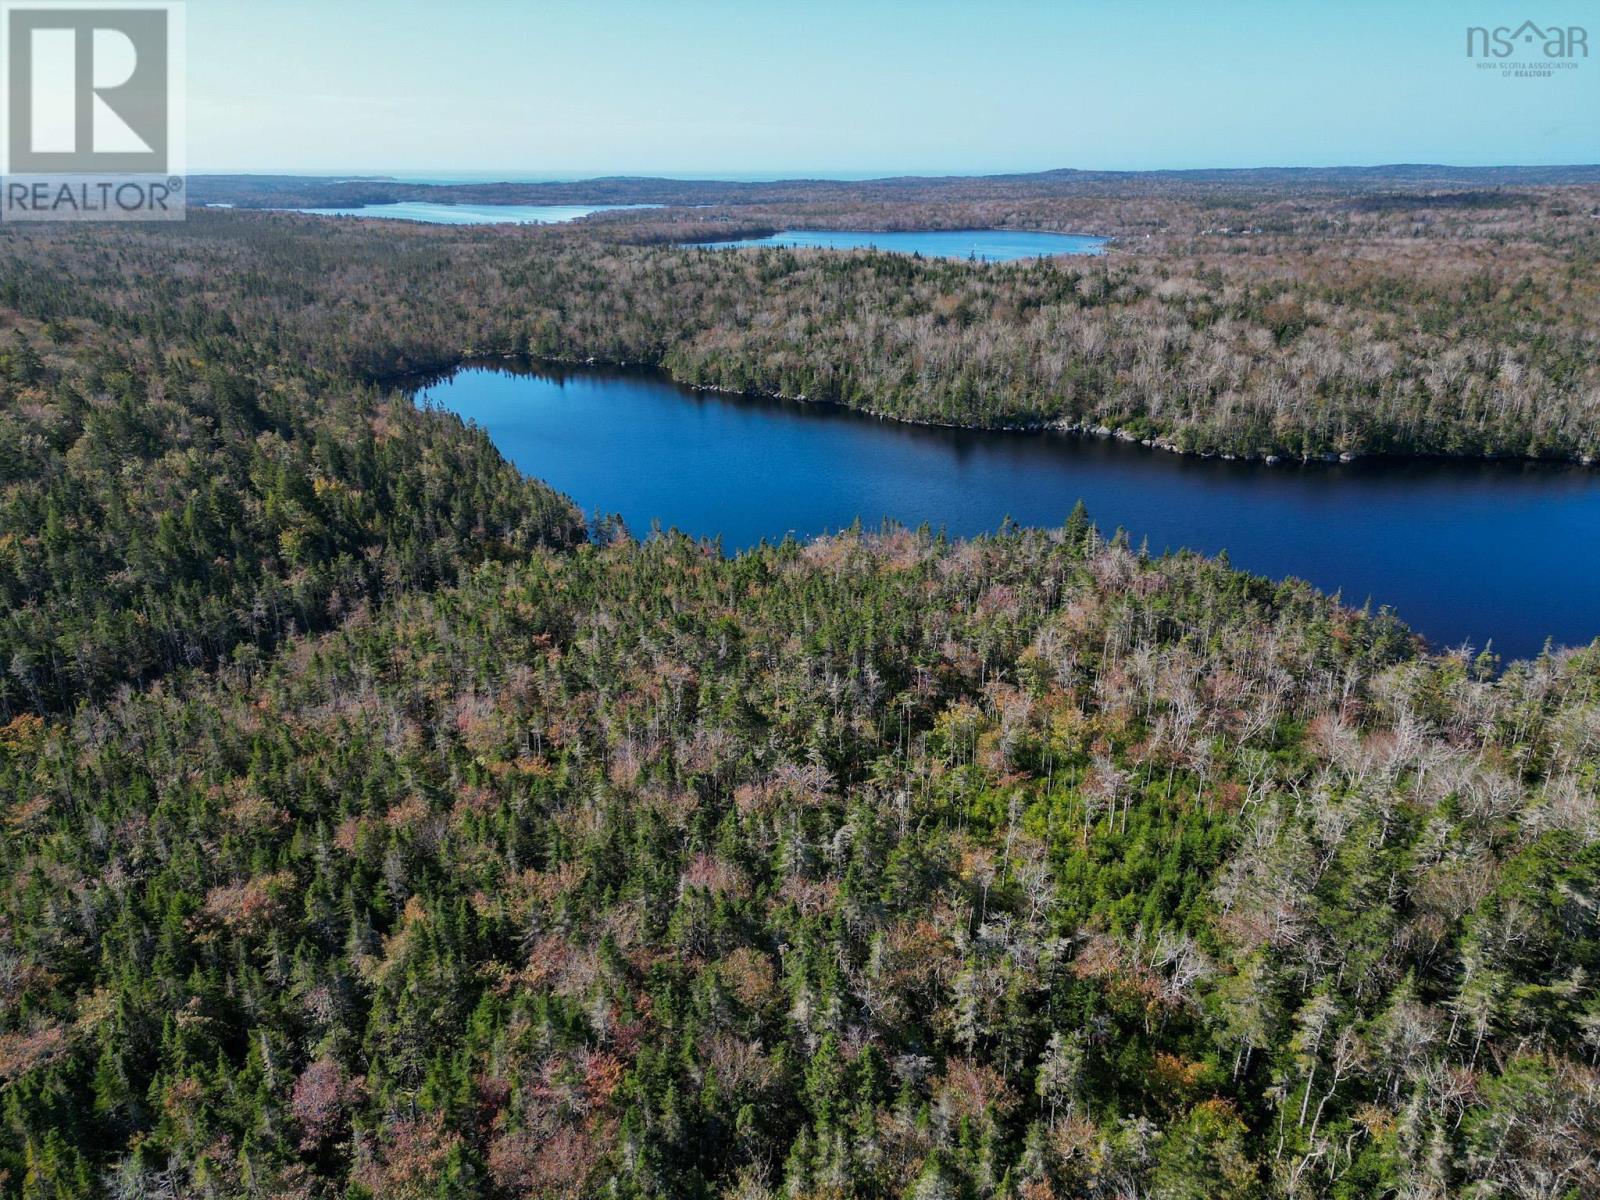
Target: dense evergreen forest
[(877, 866), (163, 506), (374, 830)]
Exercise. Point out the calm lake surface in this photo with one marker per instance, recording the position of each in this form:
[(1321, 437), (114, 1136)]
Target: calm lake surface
[(986, 245), (1465, 552), (473, 214)]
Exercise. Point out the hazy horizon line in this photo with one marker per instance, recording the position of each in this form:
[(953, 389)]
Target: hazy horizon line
[(784, 175)]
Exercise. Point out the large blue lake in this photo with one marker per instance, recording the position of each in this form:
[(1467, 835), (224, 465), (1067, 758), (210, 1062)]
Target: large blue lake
[(1465, 552), (472, 214), (985, 245)]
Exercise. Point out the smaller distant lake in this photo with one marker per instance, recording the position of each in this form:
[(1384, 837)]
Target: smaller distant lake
[(985, 245), (473, 214)]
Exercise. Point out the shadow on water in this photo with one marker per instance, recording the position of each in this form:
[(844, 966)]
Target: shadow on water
[(1466, 552)]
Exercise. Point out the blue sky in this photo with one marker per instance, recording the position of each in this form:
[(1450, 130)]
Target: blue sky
[(695, 87)]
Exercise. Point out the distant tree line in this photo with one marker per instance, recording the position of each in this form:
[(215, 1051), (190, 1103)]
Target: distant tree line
[(1458, 330)]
